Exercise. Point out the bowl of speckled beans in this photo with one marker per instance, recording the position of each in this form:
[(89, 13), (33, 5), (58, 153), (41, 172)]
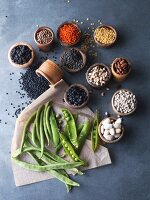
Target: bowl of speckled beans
[(98, 75), (76, 96), (111, 130), (124, 102)]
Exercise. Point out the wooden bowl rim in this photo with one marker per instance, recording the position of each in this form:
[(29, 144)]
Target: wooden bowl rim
[(121, 75), (26, 64), (41, 28), (83, 58), (107, 141), (81, 86), (119, 113), (63, 43), (99, 64), (110, 27)]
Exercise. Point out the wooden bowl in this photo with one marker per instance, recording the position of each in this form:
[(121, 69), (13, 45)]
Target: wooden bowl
[(102, 44), (26, 64), (44, 47), (83, 58), (50, 71), (120, 77), (104, 139), (98, 64), (63, 43), (73, 106), (114, 109)]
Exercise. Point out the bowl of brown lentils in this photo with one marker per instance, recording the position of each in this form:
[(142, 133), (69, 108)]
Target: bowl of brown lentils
[(98, 75)]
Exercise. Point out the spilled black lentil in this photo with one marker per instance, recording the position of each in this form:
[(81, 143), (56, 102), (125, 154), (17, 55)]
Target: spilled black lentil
[(21, 54), (72, 59), (76, 96)]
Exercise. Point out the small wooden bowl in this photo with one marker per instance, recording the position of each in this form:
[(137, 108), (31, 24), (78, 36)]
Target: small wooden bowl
[(63, 43), (44, 47), (119, 113), (73, 106), (98, 64), (26, 64), (119, 77), (50, 71), (102, 44), (104, 139), (83, 58)]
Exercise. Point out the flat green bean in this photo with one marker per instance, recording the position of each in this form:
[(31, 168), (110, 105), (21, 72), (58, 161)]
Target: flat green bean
[(30, 119), (55, 129), (47, 115), (42, 140), (38, 121), (94, 133), (71, 127), (35, 167), (33, 134), (47, 135), (79, 128)]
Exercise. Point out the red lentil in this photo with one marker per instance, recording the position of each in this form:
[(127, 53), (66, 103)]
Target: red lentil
[(69, 34)]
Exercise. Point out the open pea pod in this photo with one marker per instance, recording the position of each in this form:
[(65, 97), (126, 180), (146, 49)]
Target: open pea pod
[(94, 133), (69, 149), (71, 126)]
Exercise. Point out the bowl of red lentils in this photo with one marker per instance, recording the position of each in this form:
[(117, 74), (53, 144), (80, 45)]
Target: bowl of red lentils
[(69, 34), (105, 35), (44, 37)]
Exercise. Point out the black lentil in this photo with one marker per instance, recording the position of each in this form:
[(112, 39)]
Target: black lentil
[(21, 54), (76, 96), (33, 85), (72, 59)]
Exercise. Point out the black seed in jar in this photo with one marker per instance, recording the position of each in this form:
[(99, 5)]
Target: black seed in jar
[(72, 59), (21, 54), (76, 96)]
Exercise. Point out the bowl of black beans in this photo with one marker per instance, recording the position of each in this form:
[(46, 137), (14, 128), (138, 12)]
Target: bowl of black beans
[(76, 96), (73, 60), (21, 54)]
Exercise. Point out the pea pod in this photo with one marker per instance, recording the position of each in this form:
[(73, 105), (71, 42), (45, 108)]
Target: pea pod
[(54, 128), (69, 149), (71, 126), (28, 123), (94, 133), (83, 135)]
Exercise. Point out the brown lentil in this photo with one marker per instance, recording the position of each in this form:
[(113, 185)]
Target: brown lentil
[(44, 36)]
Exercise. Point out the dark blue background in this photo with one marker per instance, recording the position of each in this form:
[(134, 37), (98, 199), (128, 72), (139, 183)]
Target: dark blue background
[(128, 177)]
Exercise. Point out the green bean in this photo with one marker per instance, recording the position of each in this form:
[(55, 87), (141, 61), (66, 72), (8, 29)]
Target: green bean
[(71, 127), (48, 120), (42, 141), (94, 133), (54, 128), (69, 149), (45, 126), (59, 174), (38, 121), (44, 168), (33, 134), (30, 119), (83, 135)]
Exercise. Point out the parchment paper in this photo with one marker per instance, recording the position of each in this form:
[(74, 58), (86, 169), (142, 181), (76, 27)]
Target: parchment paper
[(55, 93)]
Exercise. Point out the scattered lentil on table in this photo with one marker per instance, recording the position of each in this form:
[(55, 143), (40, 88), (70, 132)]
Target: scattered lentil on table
[(21, 54), (72, 59)]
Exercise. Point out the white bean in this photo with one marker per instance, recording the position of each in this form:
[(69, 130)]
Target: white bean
[(118, 130), (108, 126), (112, 131), (109, 137)]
